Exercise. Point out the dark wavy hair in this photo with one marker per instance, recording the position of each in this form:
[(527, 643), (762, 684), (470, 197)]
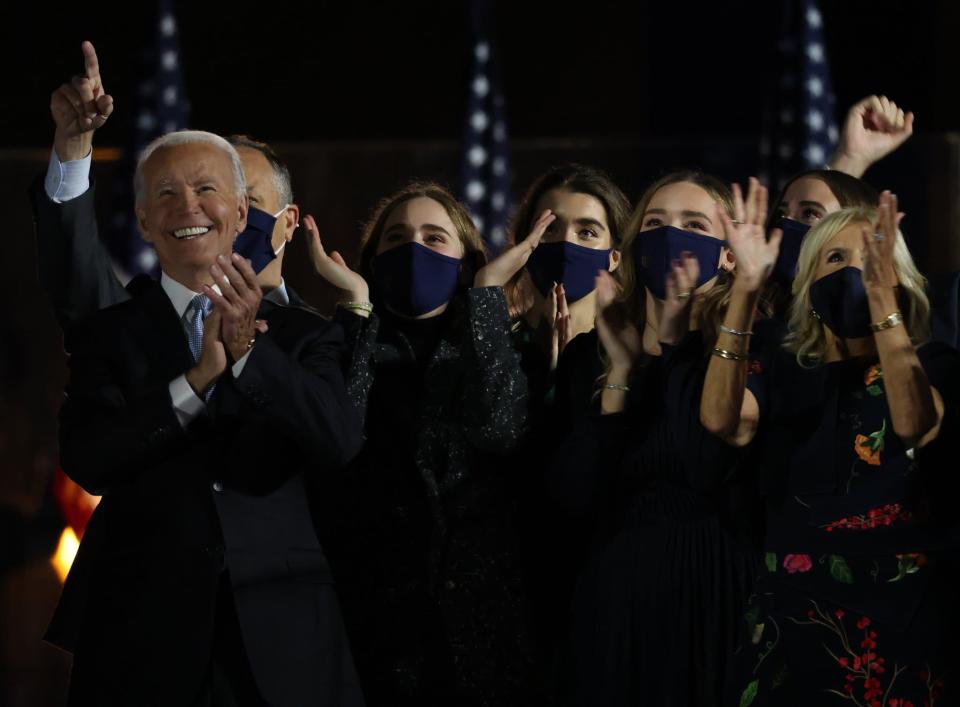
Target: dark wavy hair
[(576, 178)]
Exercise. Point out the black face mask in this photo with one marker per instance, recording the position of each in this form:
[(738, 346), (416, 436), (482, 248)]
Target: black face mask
[(568, 264), (255, 242), (839, 300), (413, 279), (655, 250)]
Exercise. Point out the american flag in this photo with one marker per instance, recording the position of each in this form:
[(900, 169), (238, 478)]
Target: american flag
[(161, 106), (485, 166), (800, 129)]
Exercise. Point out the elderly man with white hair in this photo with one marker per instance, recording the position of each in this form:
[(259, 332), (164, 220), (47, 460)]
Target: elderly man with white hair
[(197, 411)]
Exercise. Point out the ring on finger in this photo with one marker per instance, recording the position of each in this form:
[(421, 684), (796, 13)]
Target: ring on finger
[(878, 237)]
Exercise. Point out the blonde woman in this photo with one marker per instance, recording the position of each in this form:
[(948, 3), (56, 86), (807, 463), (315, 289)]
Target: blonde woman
[(850, 415), (656, 613)]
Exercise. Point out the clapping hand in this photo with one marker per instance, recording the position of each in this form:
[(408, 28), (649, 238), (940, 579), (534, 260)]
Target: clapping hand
[(558, 322), (332, 268), (617, 333), (879, 268), (237, 303), (498, 271), (79, 107), (681, 282)]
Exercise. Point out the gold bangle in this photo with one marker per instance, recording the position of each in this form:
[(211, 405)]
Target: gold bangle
[(357, 306), (729, 355), (890, 321)]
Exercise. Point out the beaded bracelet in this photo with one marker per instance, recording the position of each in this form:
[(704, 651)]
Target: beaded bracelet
[(729, 355), (734, 332), (617, 386), (888, 322)]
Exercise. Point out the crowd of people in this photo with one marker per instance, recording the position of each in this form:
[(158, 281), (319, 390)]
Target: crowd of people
[(692, 451)]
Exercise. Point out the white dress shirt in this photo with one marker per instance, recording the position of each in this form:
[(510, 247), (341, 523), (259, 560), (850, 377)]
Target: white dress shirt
[(279, 295), (67, 180)]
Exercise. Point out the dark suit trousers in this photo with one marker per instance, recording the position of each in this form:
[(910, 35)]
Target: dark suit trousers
[(230, 681)]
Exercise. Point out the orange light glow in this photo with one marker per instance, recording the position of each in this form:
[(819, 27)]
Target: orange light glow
[(66, 550)]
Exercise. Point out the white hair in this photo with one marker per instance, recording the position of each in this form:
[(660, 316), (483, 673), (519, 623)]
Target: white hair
[(189, 137)]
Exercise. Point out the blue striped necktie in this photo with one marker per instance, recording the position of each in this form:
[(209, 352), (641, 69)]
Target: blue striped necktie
[(198, 309)]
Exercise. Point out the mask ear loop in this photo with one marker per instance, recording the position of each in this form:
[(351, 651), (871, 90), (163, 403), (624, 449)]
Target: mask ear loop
[(296, 226)]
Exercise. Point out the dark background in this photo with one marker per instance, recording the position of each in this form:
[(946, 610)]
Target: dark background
[(292, 71), (361, 97)]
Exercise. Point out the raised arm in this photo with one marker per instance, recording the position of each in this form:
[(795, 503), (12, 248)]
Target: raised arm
[(74, 267), (916, 408), (727, 408), (874, 127), (496, 392)]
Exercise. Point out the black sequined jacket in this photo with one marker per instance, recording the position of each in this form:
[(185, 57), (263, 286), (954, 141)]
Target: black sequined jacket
[(422, 540)]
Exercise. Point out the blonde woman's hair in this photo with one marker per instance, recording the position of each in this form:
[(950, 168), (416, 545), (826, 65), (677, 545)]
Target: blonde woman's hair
[(806, 336), (633, 293)]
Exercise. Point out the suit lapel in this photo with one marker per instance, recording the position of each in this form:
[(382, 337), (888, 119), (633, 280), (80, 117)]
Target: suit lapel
[(160, 332)]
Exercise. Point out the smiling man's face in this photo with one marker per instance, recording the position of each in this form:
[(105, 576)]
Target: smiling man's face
[(190, 210)]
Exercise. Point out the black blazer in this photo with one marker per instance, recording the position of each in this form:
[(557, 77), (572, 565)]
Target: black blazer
[(72, 263), (181, 506)]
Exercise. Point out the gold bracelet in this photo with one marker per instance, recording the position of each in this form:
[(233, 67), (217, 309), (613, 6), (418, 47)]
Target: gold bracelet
[(890, 321), (357, 306), (729, 355)]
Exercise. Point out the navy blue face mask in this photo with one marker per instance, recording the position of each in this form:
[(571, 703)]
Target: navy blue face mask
[(655, 250), (412, 279), (255, 242), (839, 300), (568, 264), (785, 269)]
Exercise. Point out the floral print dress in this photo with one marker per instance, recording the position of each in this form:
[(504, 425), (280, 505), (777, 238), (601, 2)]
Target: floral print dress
[(855, 606)]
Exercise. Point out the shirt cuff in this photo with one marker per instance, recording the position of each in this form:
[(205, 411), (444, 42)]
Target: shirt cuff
[(237, 367), (186, 404), (67, 180)]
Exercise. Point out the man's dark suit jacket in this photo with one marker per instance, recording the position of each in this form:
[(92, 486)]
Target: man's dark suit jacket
[(180, 506), (75, 271)]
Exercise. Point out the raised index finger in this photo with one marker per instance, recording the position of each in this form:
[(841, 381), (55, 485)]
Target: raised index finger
[(91, 67)]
